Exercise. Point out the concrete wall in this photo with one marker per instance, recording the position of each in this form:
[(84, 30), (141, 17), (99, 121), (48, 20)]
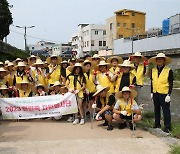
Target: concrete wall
[(122, 46)]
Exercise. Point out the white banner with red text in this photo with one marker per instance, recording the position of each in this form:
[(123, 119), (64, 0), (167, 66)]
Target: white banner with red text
[(38, 107)]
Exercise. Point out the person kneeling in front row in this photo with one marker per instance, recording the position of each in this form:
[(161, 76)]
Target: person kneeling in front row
[(125, 107)]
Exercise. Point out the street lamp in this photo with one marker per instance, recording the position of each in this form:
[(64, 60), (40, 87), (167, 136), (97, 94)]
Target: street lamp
[(25, 34)]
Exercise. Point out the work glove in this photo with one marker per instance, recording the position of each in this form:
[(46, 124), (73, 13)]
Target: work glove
[(98, 117), (124, 113), (151, 96), (167, 99), (94, 106), (87, 91)]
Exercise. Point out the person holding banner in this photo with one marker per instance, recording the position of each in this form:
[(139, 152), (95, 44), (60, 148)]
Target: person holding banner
[(76, 84), (104, 105), (126, 108), (53, 71), (24, 89), (125, 78)]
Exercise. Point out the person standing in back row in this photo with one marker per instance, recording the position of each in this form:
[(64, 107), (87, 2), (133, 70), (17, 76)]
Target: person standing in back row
[(161, 89)]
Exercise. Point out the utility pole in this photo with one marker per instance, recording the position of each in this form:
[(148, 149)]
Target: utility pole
[(25, 35)]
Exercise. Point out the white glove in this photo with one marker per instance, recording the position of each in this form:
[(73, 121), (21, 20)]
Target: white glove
[(167, 99), (76, 91), (94, 106), (87, 91), (98, 117), (124, 113), (151, 96)]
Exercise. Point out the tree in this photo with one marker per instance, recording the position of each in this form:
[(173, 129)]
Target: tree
[(5, 19)]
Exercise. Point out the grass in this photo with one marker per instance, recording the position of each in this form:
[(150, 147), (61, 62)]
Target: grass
[(148, 122), (176, 130), (175, 149)]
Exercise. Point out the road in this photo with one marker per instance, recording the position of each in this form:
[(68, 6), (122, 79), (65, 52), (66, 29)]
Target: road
[(51, 137)]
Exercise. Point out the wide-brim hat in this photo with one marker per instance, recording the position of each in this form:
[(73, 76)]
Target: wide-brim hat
[(168, 60), (119, 59), (57, 83), (89, 62), (18, 85), (40, 85), (71, 68), (20, 64), (80, 60), (126, 63), (39, 62), (6, 62), (96, 56), (133, 93), (64, 62), (3, 70), (1, 63), (59, 59), (18, 59), (138, 54), (100, 88), (3, 87), (102, 63)]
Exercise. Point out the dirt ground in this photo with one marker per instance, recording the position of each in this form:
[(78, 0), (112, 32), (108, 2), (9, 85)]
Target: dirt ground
[(47, 136)]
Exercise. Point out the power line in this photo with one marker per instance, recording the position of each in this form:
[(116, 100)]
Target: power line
[(33, 36)]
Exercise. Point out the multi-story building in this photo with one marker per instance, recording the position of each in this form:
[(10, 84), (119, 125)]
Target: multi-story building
[(58, 49), (90, 37), (125, 23)]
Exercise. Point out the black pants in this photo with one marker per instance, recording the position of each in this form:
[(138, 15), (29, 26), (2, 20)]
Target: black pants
[(159, 102)]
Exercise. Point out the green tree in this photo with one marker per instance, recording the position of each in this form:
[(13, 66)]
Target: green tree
[(5, 19)]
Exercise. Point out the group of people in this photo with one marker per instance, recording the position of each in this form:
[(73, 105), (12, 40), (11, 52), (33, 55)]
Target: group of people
[(111, 88)]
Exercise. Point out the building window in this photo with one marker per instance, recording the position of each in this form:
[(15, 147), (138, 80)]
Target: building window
[(87, 32), (87, 43), (133, 25), (111, 26), (32, 48), (104, 32), (133, 13), (104, 43), (92, 42), (120, 36), (124, 24), (96, 32), (100, 43), (118, 24)]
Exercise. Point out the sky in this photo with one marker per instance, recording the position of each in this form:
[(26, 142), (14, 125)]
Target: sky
[(57, 20)]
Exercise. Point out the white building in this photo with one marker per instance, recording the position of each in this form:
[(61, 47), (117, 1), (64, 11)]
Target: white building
[(58, 49), (123, 46), (89, 37), (41, 45)]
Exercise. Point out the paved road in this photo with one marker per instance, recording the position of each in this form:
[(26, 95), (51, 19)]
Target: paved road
[(47, 136)]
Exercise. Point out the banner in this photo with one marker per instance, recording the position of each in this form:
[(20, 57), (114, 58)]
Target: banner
[(38, 107)]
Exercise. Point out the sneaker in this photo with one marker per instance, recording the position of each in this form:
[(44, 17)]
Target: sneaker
[(105, 123), (70, 119), (122, 125), (82, 122), (131, 126), (110, 127), (76, 121)]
